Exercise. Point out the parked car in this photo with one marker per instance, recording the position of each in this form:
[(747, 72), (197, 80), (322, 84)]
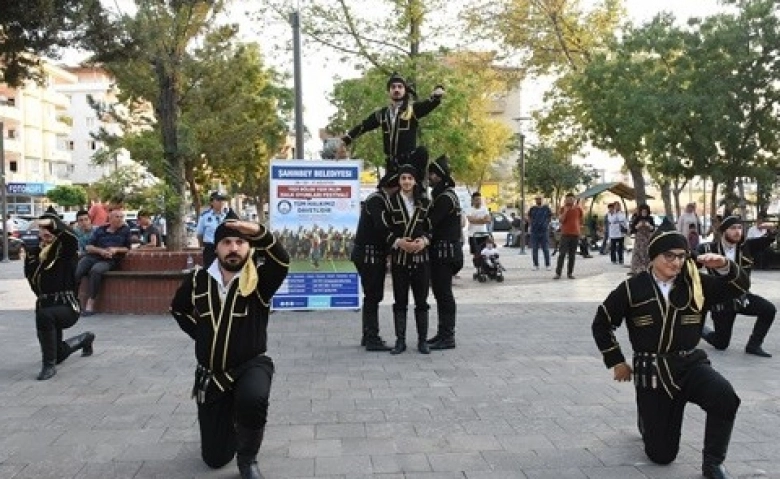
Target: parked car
[(501, 222), (16, 249)]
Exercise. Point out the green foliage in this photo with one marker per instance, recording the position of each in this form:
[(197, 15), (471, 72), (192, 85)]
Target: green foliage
[(68, 196), (32, 29), (461, 126), (551, 173), (548, 35)]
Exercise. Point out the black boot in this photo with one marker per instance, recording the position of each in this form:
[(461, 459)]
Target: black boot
[(399, 320), (373, 342), (248, 442), (446, 334), (48, 340), (421, 319), (717, 434), (83, 342), (760, 330)]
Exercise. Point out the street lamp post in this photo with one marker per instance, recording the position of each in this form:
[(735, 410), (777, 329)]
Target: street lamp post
[(295, 20), (522, 193), (3, 189)]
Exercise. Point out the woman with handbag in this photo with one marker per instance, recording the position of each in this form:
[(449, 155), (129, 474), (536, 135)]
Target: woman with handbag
[(618, 228)]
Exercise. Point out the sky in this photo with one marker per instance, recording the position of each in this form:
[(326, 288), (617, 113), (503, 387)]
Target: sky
[(317, 77)]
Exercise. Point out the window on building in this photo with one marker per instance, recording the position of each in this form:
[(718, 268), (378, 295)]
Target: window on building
[(91, 122), (93, 145), (13, 166), (71, 145), (11, 102), (11, 134)]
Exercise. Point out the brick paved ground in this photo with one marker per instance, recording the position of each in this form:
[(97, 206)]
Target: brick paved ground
[(523, 396)]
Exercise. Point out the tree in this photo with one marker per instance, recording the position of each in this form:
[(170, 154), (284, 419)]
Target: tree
[(31, 29), (155, 42), (461, 127), (232, 119), (546, 36), (68, 196), (551, 173)]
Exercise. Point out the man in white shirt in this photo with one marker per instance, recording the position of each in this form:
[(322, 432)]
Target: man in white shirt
[(479, 217)]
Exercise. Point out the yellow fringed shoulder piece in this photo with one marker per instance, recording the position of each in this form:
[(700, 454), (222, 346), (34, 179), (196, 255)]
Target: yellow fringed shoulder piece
[(408, 113), (698, 293), (247, 282)]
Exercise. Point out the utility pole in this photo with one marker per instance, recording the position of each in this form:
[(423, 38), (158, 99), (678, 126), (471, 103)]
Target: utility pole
[(295, 21), (521, 138), (3, 195)]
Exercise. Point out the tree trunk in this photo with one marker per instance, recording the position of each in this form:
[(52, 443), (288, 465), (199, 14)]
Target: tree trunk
[(666, 195), (714, 200), (742, 203), (638, 178), (168, 114)]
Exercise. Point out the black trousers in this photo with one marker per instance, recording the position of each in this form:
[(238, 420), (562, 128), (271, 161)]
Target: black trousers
[(209, 254), (55, 319), (245, 405), (417, 278), (372, 279), (616, 249), (660, 417), (441, 284), (723, 320), (567, 247), (417, 157)]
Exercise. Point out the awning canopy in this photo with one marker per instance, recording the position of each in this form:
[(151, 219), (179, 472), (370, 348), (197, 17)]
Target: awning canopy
[(621, 189)]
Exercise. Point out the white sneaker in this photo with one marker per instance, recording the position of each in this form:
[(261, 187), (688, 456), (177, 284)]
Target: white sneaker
[(549, 268), (536, 268)]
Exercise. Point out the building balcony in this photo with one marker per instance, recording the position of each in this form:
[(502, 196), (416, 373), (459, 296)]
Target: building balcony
[(59, 100), (56, 125), (58, 156), (10, 115), (12, 145)]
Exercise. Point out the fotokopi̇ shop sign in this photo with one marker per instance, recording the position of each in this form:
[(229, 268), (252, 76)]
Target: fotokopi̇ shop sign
[(314, 208)]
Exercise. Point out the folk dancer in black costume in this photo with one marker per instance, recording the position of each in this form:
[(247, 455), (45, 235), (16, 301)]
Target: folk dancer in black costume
[(399, 122), (51, 271), (370, 257), (664, 311), (446, 251), (409, 240), (735, 247), (225, 309)]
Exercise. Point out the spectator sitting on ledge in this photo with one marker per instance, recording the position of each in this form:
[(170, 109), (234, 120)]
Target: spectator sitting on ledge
[(106, 247)]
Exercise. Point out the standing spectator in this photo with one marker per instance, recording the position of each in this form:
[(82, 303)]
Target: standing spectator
[(642, 227), (108, 244), (207, 224), (605, 241), (83, 230), (693, 236), (618, 227), (98, 212), (688, 218), (539, 218), (150, 236), (571, 227), (479, 217), (162, 226)]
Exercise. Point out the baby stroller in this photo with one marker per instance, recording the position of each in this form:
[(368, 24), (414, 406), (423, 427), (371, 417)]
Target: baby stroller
[(485, 269)]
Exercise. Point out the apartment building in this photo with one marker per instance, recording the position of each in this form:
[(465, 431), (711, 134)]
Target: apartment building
[(93, 85), (35, 129)]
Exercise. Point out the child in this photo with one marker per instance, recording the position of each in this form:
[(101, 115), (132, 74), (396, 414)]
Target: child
[(693, 236), (489, 253)]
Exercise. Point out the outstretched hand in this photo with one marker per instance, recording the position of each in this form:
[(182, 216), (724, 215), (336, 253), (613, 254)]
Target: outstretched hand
[(712, 260), (244, 227)]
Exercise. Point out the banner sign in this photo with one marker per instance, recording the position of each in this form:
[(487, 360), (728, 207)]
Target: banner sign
[(314, 208)]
